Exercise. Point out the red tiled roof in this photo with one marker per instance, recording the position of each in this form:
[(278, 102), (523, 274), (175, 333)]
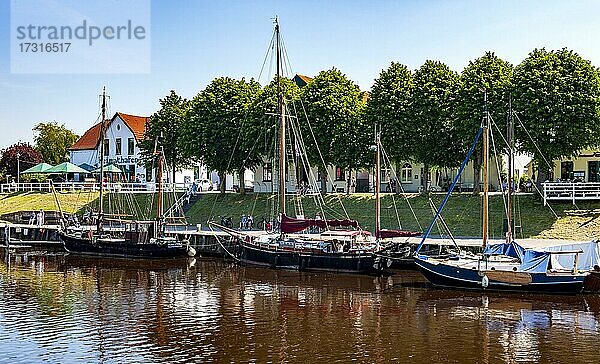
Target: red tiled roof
[(137, 124), (90, 139)]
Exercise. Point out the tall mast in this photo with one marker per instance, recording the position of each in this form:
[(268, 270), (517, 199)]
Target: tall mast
[(486, 152), (102, 122), (159, 174), (281, 112), (509, 132), (377, 183)]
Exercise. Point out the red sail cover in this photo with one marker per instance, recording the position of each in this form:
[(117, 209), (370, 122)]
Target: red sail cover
[(386, 234), (291, 225)]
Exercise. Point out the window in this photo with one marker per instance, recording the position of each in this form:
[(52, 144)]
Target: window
[(406, 173), (594, 171), (130, 146), (566, 171), (118, 146), (267, 172), (384, 175), (340, 174), (106, 147)]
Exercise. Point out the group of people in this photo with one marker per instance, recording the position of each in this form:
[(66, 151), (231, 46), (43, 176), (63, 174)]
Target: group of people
[(246, 222), (38, 218)]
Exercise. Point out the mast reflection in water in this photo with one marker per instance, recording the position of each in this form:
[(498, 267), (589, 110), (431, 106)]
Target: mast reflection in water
[(66, 309)]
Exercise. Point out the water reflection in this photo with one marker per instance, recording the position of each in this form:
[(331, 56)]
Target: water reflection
[(68, 309)]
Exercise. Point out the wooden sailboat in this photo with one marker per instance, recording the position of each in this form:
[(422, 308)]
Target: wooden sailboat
[(130, 239), (351, 250), (502, 267)]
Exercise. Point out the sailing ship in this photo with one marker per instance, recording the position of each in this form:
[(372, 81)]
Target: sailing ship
[(130, 239), (506, 266), (341, 246)]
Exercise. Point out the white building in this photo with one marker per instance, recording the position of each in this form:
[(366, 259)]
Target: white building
[(408, 174), (123, 134)]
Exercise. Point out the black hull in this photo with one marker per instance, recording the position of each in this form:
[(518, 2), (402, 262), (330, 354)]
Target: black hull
[(295, 260), (127, 249)]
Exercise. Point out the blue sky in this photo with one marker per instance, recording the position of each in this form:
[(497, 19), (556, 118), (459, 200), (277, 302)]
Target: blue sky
[(193, 42)]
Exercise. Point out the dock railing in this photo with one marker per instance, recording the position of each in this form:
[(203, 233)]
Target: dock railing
[(569, 191), (114, 187)]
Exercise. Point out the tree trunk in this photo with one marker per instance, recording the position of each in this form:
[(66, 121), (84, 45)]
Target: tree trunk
[(242, 183), (543, 175), (173, 167), (222, 182), (323, 181), (477, 162)]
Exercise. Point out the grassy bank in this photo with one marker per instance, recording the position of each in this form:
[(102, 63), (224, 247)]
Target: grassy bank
[(462, 213)]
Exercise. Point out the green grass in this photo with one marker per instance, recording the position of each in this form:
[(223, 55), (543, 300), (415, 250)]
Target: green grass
[(462, 213)]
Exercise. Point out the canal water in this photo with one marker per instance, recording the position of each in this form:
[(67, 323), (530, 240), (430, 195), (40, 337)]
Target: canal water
[(64, 309)]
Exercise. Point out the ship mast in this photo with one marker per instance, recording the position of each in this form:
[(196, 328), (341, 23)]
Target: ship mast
[(159, 174), (377, 184), (486, 153), (101, 137), (510, 132), (281, 113)]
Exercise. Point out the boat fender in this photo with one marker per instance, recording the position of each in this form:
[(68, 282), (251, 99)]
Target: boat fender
[(485, 281), (389, 263), (191, 252)]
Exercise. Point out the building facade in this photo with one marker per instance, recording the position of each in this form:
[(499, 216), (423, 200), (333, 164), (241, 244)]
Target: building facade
[(123, 134), (408, 177), (585, 167)]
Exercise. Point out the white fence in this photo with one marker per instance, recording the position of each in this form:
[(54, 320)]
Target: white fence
[(115, 187), (564, 191)]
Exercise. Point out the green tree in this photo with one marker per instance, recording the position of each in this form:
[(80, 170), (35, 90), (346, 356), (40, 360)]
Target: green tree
[(334, 108), (557, 98), (166, 125), (389, 107), (436, 142), (27, 155), (53, 141), (213, 126), (261, 128), (494, 75)]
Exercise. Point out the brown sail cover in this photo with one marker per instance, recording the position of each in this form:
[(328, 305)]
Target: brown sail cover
[(386, 234), (291, 225)]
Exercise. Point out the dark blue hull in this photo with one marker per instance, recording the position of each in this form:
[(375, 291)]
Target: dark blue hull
[(456, 277), (291, 259)]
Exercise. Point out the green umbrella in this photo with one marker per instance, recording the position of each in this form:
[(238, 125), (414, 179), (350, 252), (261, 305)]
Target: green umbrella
[(111, 168), (38, 168), (87, 167), (65, 167)]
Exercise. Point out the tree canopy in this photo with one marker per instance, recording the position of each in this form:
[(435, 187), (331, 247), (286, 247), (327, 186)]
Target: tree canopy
[(436, 142), (557, 98), (213, 125), (389, 107), (26, 154), (493, 75), (53, 141), (166, 124), (334, 108)]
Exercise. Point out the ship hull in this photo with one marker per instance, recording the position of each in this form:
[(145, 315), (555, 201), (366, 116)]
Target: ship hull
[(364, 263), (124, 248), (445, 275)]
